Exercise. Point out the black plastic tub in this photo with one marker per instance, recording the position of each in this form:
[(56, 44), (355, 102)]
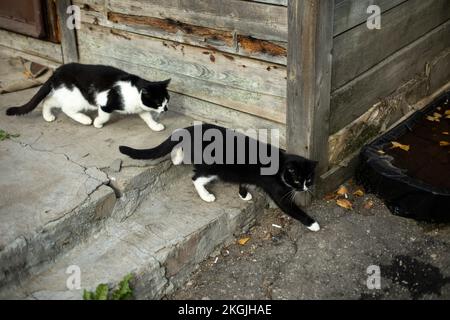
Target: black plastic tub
[(404, 195)]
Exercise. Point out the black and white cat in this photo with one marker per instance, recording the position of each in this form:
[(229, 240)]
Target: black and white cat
[(76, 88), (294, 173)]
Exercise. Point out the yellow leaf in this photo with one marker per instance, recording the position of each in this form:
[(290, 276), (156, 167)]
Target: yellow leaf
[(445, 133), (342, 191), (439, 108), (344, 203), (381, 152), (400, 146), (447, 112), (358, 193), (447, 117), (444, 143), (433, 119), (437, 115), (243, 241)]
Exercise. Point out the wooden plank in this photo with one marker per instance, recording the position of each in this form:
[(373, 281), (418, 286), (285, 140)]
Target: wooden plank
[(359, 49), (68, 36), (242, 84), (350, 13), (309, 78), (5, 51), (356, 97), (214, 113), (225, 41), (92, 50), (259, 20), (274, 2), (47, 50), (333, 178)]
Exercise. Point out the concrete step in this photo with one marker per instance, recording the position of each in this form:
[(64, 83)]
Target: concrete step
[(61, 182), (171, 231)]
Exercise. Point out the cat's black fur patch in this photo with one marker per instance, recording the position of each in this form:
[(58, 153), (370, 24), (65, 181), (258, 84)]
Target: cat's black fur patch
[(92, 79), (292, 173)]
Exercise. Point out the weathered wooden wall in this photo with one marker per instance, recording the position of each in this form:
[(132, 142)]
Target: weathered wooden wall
[(227, 59), (379, 75)]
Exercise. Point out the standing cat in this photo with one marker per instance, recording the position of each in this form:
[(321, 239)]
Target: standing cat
[(294, 173), (76, 88)]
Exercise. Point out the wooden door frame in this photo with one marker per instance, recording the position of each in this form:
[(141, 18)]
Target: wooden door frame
[(309, 62), (69, 46)]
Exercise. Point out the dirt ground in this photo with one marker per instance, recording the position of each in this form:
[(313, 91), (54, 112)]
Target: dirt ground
[(283, 260)]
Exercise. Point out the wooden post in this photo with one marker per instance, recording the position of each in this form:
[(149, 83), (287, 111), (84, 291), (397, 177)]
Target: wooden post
[(68, 36), (310, 43)]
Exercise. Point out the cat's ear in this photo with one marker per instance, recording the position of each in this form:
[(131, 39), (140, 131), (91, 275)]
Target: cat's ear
[(164, 83)]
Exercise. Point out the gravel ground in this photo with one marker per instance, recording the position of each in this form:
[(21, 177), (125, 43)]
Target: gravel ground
[(286, 261)]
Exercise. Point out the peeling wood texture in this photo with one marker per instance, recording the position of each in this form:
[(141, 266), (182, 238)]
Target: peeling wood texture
[(242, 84), (174, 29), (260, 20)]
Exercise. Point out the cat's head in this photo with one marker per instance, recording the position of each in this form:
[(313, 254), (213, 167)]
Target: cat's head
[(298, 172), (155, 96)]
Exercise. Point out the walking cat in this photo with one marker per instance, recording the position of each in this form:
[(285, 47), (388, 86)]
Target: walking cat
[(76, 88), (294, 174)]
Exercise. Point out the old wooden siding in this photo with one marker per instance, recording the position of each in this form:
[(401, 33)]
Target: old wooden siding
[(371, 64), (381, 76), (227, 57)]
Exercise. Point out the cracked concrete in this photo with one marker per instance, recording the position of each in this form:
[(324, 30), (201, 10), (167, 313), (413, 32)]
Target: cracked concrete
[(68, 197), (52, 171), (170, 233)]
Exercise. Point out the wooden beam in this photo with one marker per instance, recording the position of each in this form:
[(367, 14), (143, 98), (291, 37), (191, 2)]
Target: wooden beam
[(310, 41), (68, 35)]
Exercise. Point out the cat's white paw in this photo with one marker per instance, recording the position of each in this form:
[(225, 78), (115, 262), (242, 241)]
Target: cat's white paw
[(248, 197), (86, 122), (49, 117), (97, 123), (208, 197), (314, 227), (177, 156), (157, 127)]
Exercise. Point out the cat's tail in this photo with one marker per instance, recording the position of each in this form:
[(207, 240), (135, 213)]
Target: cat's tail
[(33, 103), (154, 153)]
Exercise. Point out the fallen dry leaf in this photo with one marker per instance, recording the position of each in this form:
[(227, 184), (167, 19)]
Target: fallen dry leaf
[(445, 133), (437, 115), (432, 119), (243, 241), (381, 152), (447, 112), (368, 204), (447, 117), (400, 146), (342, 191), (358, 193), (444, 143), (344, 203)]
